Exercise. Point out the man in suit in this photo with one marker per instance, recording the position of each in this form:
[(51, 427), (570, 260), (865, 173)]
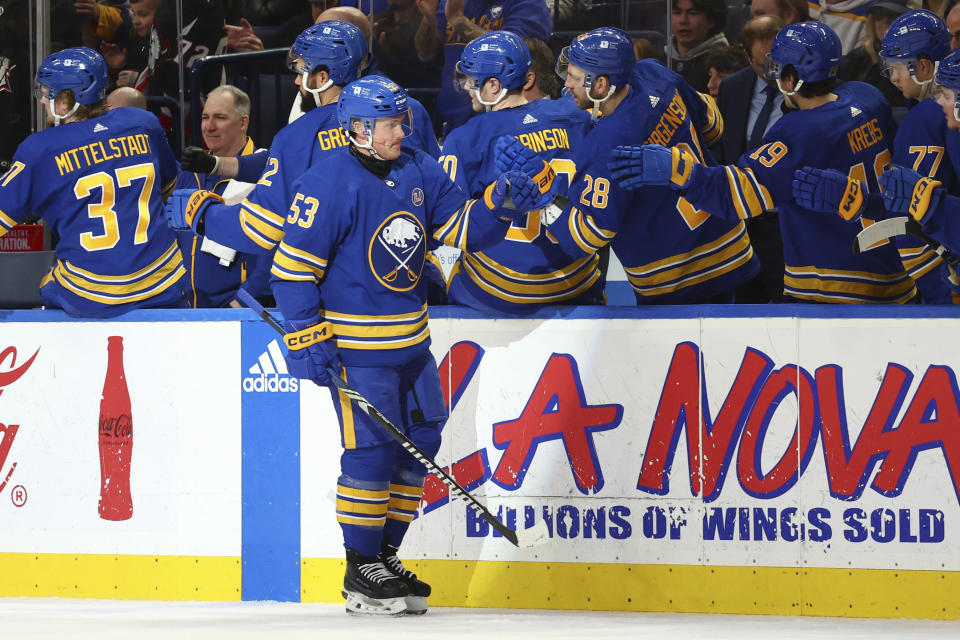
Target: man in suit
[(750, 105), (744, 95)]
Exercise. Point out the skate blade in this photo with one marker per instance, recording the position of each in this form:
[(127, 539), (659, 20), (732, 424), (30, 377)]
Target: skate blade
[(360, 605), (416, 605)]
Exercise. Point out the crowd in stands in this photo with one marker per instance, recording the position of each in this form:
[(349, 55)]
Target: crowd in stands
[(718, 48)]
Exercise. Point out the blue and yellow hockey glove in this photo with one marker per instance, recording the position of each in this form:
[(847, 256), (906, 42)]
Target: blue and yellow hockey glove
[(906, 191), (310, 351), (512, 195), (511, 155), (652, 164), (185, 209), (829, 191)]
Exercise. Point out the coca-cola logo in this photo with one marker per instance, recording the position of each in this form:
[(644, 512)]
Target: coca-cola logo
[(120, 426), (9, 431), (14, 373)]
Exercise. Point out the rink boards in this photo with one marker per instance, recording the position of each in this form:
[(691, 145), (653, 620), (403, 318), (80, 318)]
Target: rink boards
[(711, 459)]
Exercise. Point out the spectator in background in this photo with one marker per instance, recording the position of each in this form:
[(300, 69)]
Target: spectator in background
[(863, 63), (953, 25), (546, 82), (847, 18), (721, 63), (643, 49), (265, 12), (697, 27), (215, 272), (241, 37), (939, 7), (451, 24), (393, 47), (750, 105), (790, 11), (126, 97)]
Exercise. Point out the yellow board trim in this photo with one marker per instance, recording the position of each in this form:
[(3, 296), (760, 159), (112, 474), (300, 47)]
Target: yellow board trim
[(120, 577), (856, 593)]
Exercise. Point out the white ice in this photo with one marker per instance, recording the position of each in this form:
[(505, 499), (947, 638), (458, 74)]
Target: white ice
[(34, 618)]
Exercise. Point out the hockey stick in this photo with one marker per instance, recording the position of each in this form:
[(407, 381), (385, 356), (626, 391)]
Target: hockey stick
[(905, 226), (531, 537)]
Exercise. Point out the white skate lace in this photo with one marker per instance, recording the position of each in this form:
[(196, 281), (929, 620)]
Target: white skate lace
[(393, 562), (375, 571)]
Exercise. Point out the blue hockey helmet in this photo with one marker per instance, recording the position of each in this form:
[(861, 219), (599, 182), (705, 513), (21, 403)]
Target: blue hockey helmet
[(368, 100), (496, 54), (80, 69), (337, 45), (916, 33), (812, 48), (606, 51), (948, 77)]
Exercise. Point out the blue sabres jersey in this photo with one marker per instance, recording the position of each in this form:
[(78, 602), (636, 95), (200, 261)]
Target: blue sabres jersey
[(852, 134), (528, 268), (98, 184), (366, 250), (295, 148), (671, 252), (920, 144)]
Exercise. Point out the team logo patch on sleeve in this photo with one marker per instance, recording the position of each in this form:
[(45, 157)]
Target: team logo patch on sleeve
[(397, 251), (416, 197)]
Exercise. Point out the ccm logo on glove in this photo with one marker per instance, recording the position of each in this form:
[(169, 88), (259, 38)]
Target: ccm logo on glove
[(310, 335)]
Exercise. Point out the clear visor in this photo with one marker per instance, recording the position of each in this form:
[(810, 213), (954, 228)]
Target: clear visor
[(463, 81), (941, 92), (563, 62), (889, 65), (296, 64), (386, 127), (771, 69), (40, 92)]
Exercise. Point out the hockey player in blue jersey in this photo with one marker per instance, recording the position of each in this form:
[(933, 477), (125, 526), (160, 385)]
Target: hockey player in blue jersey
[(356, 260), (905, 191), (528, 268), (913, 46), (847, 127), (325, 57), (97, 178), (671, 252)]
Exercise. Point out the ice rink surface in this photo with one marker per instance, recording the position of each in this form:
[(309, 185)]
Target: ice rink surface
[(138, 620)]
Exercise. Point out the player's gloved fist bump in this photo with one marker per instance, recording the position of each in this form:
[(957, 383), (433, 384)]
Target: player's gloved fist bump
[(906, 191), (197, 160), (829, 191), (185, 209), (310, 351), (512, 195), (509, 154), (651, 164)]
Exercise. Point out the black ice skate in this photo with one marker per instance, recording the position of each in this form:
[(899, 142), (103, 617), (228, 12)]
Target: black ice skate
[(419, 590), (371, 589)]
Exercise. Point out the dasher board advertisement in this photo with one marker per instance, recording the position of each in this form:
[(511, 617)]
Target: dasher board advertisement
[(141, 456), (741, 442)]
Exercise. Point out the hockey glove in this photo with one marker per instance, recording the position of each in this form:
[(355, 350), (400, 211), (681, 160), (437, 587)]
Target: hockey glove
[(652, 164), (511, 155), (310, 352), (512, 195), (906, 191), (197, 160), (829, 191), (185, 209)]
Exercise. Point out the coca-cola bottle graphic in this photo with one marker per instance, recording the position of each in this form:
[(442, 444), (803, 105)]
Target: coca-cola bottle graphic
[(116, 438)]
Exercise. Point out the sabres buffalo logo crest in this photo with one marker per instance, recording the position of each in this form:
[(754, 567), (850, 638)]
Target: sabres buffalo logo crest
[(397, 251)]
